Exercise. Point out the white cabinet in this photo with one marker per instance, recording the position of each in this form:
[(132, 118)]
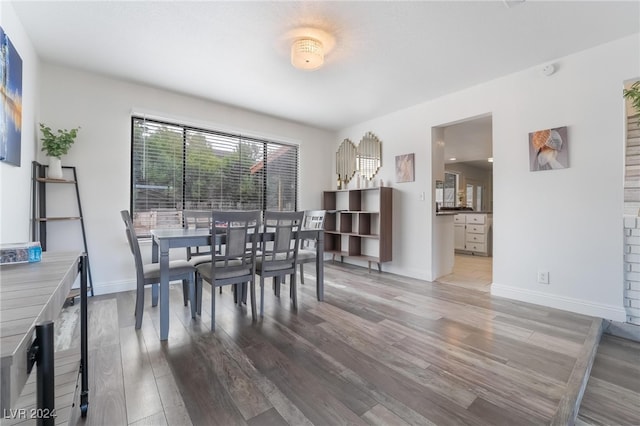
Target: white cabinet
[(472, 233), (459, 235)]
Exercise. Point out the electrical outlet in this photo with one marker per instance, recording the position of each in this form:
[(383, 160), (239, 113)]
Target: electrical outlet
[(543, 277)]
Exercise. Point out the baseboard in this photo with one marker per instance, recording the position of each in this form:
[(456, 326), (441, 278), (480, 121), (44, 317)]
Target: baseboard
[(114, 287), (615, 313), (624, 330)]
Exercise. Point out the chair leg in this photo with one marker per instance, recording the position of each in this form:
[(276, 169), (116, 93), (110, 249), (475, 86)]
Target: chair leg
[(276, 284), (261, 296), (139, 311), (294, 291), (235, 293), (243, 293), (199, 294), (253, 299), (301, 274), (192, 295), (185, 292), (213, 308), (154, 294)]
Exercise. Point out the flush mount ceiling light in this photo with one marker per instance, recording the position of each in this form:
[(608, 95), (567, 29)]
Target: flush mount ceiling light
[(309, 46), (307, 53)]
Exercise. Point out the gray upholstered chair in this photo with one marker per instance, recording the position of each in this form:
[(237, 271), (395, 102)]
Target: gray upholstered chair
[(277, 258), (313, 219), (235, 263), (149, 274)]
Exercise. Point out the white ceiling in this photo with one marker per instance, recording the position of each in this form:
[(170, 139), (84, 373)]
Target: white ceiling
[(387, 56)]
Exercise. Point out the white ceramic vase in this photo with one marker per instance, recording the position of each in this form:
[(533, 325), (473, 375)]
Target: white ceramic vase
[(55, 168)]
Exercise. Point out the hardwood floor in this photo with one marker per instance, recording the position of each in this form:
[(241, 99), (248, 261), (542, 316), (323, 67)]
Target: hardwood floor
[(473, 272), (612, 396), (381, 350)]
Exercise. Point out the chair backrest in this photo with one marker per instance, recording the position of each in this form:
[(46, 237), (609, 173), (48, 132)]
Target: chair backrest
[(283, 250), (313, 219), (195, 219), (133, 244), (238, 231)]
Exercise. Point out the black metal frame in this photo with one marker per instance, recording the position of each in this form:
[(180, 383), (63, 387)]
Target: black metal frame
[(41, 352), (39, 210)]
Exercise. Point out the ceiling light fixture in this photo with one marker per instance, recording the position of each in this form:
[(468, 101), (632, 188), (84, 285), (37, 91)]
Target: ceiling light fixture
[(490, 159), (307, 53)]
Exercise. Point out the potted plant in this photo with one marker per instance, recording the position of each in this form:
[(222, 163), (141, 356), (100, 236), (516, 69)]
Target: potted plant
[(55, 145), (633, 95)]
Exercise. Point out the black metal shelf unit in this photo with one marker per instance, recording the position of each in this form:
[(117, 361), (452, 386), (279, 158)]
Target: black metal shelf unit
[(39, 218)]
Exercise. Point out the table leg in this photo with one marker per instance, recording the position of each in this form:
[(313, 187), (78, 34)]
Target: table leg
[(164, 290), (84, 337), (320, 267)]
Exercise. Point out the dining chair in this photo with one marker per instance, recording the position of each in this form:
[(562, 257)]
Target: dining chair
[(235, 262), (149, 274), (277, 257), (196, 219), (313, 219)]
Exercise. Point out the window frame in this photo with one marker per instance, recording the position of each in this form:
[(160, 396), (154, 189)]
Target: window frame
[(186, 128)]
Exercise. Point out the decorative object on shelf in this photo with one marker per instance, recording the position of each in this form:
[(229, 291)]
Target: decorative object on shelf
[(20, 252), (548, 149), (632, 94), (369, 156), (346, 161), (55, 146), (405, 168), (10, 140)]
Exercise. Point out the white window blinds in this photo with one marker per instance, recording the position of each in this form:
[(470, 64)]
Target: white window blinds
[(176, 167)]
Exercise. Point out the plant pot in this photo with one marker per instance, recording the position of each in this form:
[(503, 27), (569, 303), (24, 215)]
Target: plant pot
[(55, 168)]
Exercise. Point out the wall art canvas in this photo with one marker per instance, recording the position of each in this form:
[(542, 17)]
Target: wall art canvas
[(11, 88), (548, 149), (405, 168)]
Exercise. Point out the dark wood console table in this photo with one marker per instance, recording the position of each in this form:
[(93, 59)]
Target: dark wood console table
[(31, 297)]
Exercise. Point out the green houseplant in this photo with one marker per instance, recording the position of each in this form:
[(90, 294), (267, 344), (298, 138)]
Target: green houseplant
[(55, 145), (633, 95)]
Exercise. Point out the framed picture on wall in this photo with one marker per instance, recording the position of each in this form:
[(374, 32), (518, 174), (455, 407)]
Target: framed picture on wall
[(405, 168), (548, 149), (11, 119)]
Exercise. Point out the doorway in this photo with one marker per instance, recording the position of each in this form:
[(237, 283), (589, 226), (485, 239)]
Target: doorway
[(467, 157)]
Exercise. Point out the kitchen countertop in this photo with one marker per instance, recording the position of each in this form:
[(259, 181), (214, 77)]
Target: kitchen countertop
[(455, 212)]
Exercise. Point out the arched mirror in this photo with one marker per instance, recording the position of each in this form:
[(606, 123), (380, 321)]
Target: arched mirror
[(346, 160), (369, 156)]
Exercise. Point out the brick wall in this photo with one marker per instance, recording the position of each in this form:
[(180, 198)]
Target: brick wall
[(632, 268)]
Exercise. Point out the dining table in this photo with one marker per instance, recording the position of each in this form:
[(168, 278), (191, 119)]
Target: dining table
[(31, 297), (163, 240)]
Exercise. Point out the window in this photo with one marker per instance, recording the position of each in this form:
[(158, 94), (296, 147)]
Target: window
[(450, 189), (176, 167)]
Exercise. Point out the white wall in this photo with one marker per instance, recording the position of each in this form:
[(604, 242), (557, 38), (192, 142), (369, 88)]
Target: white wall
[(15, 182), (566, 221), (102, 107)]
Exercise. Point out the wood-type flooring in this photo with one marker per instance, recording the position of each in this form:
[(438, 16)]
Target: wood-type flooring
[(380, 350)]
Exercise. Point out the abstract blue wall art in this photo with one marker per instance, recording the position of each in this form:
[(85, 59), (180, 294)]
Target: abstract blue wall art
[(11, 89)]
